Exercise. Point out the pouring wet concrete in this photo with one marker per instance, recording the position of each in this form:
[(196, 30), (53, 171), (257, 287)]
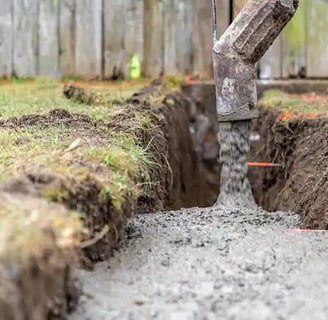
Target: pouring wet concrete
[(215, 263)]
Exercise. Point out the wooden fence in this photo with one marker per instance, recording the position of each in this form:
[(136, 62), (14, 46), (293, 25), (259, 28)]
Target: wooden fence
[(97, 38)]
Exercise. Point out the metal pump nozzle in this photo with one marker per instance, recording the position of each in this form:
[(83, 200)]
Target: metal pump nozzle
[(239, 49)]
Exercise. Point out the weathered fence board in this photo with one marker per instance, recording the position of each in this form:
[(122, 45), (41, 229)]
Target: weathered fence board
[(48, 59), (67, 37), (154, 38), (25, 33), (6, 38), (295, 44), (133, 32), (184, 36), (113, 38), (317, 33), (222, 15), (88, 52), (271, 64), (203, 43), (170, 35), (97, 38), (203, 35)]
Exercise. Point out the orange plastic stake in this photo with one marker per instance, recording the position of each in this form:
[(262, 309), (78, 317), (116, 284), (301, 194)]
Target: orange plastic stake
[(264, 164)]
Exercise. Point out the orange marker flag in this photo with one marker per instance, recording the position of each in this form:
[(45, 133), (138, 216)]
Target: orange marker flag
[(263, 164)]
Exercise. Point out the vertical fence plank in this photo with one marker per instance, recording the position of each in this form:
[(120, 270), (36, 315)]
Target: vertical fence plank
[(67, 37), (184, 36), (6, 37), (48, 58), (294, 45), (25, 37), (170, 34), (113, 38), (271, 64), (223, 15), (88, 53), (317, 33), (133, 35), (203, 35), (98, 37), (153, 38), (203, 41)]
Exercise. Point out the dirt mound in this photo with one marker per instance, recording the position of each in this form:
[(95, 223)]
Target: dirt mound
[(301, 184), (82, 193), (53, 118), (87, 96), (37, 259)]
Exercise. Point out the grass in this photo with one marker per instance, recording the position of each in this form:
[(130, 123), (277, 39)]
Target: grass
[(21, 98), (125, 163), (18, 148), (303, 106), (25, 98), (111, 158)]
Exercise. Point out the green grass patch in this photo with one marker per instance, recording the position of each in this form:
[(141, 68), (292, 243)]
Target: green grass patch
[(40, 96), (18, 148), (20, 98), (128, 165), (302, 104), (115, 159)]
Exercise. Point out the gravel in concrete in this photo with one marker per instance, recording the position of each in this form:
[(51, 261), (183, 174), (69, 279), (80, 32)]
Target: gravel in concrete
[(211, 264)]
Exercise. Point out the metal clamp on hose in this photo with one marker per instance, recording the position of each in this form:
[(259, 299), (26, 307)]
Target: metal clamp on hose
[(242, 113)]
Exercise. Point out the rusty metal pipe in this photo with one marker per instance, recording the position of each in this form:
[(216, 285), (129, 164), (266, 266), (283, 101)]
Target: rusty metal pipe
[(239, 49)]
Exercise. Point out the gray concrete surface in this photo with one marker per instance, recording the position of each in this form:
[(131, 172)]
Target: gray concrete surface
[(211, 264)]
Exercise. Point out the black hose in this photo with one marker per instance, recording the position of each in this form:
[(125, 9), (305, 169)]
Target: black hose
[(215, 23), (231, 11)]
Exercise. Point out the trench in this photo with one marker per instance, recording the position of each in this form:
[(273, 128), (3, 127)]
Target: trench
[(210, 262), (299, 183)]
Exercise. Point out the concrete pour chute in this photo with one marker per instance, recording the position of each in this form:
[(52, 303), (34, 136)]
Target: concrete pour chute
[(235, 55)]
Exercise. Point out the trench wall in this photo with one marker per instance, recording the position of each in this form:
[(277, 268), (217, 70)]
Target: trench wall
[(299, 146)]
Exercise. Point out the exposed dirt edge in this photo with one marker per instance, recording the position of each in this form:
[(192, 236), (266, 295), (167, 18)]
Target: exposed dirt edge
[(301, 185), (37, 278), (180, 180)]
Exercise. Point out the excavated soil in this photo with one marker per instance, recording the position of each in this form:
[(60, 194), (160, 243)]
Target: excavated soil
[(37, 273), (301, 184), (181, 179)]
